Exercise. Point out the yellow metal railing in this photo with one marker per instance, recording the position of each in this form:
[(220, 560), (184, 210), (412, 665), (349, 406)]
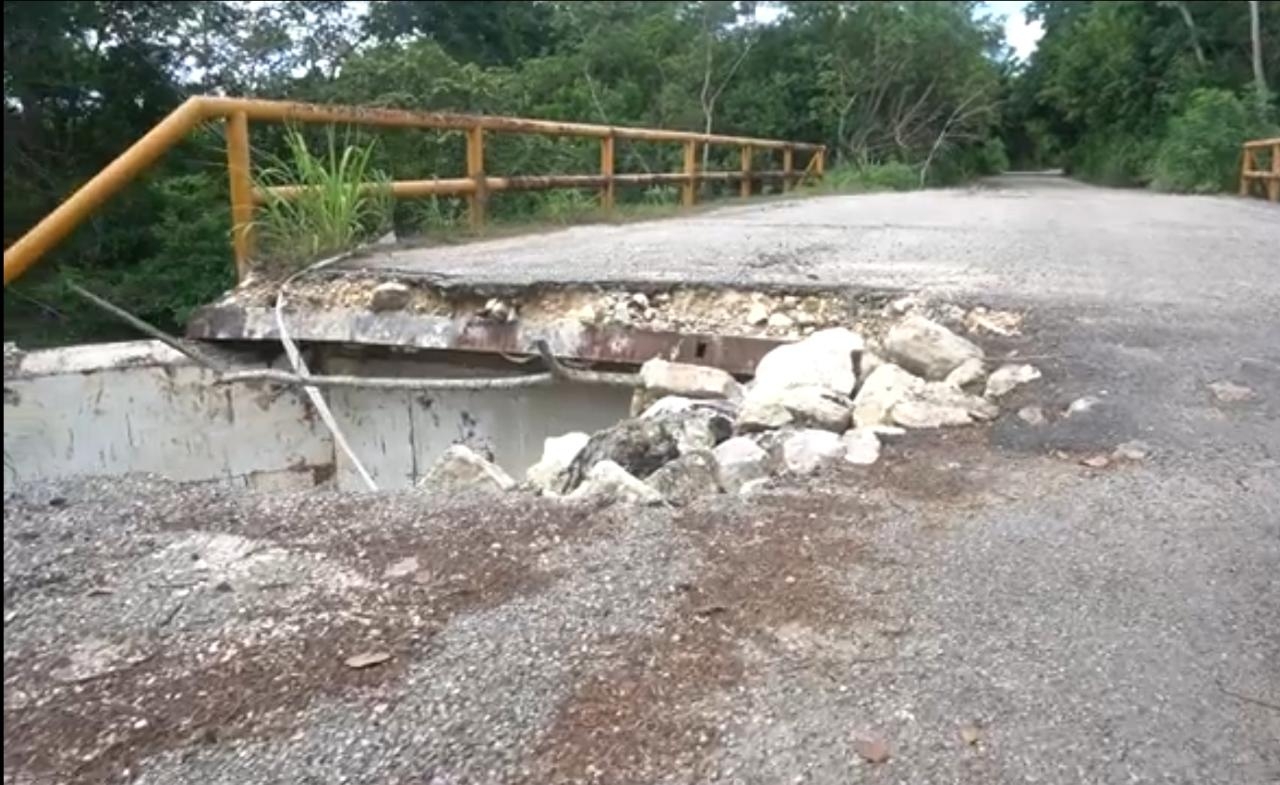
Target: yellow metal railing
[(476, 186), (1249, 174)]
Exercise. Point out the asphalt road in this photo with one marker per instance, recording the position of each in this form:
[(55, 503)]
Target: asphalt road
[(1026, 237), (979, 604)]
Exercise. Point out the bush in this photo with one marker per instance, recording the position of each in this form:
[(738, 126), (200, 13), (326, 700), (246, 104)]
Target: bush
[(963, 164), (187, 262), (1111, 158), (1200, 153), (193, 263), (888, 176)]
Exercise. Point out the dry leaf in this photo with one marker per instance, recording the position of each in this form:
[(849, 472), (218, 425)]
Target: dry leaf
[(367, 660), (970, 734), (873, 749), (1096, 461)]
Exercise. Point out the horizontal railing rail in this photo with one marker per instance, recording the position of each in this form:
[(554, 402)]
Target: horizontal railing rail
[(1251, 174), (475, 187)]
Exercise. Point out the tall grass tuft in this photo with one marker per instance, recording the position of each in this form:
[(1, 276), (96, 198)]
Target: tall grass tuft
[(341, 201)]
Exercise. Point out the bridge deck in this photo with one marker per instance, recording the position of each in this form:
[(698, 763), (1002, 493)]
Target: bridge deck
[(1014, 240), (1022, 235)]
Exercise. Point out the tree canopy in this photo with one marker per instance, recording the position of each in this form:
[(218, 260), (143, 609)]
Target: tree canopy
[(1111, 81)]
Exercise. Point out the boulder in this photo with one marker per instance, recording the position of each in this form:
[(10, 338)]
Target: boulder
[(389, 296), (607, 481), (971, 371), (891, 396), (938, 404), (804, 452), (558, 452), (686, 478), (929, 414), (676, 404), (926, 348), (461, 468), (861, 446), (1005, 378), (641, 445), (702, 429), (689, 381), (805, 406), (868, 361), (825, 358), (886, 386), (739, 461), (762, 412)]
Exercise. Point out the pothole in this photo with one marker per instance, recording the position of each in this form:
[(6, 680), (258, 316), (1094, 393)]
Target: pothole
[(661, 394)]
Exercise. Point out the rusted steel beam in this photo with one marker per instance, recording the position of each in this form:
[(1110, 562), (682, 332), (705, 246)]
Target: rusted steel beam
[(736, 354), (561, 371)]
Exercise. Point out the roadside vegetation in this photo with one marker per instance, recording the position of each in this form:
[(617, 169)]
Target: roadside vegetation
[(905, 95), (1157, 94), (340, 202)]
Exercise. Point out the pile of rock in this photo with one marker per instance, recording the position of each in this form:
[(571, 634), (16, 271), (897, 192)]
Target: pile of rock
[(826, 398)]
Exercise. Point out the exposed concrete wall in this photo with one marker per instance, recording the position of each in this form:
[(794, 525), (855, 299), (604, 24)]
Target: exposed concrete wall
[(138, 406), (114, 409), (399, 435)]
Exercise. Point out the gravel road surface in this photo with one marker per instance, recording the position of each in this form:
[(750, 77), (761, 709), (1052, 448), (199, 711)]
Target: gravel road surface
[(978, 607)]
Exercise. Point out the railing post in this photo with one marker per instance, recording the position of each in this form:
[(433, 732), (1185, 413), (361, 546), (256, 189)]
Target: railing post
[(606, 171), (689, 192), (478, 198), (788, 167), (1246, 164), (241, 191), (744, 188), (820, 162), (1273, 185)]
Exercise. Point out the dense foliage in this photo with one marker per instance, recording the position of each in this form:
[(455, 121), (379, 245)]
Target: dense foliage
[(904, 93), (1136, 93)]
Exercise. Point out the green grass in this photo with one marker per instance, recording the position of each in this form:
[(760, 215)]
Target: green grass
[(342, 202), (861, 177)]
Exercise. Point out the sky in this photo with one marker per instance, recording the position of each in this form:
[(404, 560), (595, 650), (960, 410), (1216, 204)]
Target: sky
[(1021, 36)]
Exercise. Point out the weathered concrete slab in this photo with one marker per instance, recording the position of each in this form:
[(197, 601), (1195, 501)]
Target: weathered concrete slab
[(138, 406)]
